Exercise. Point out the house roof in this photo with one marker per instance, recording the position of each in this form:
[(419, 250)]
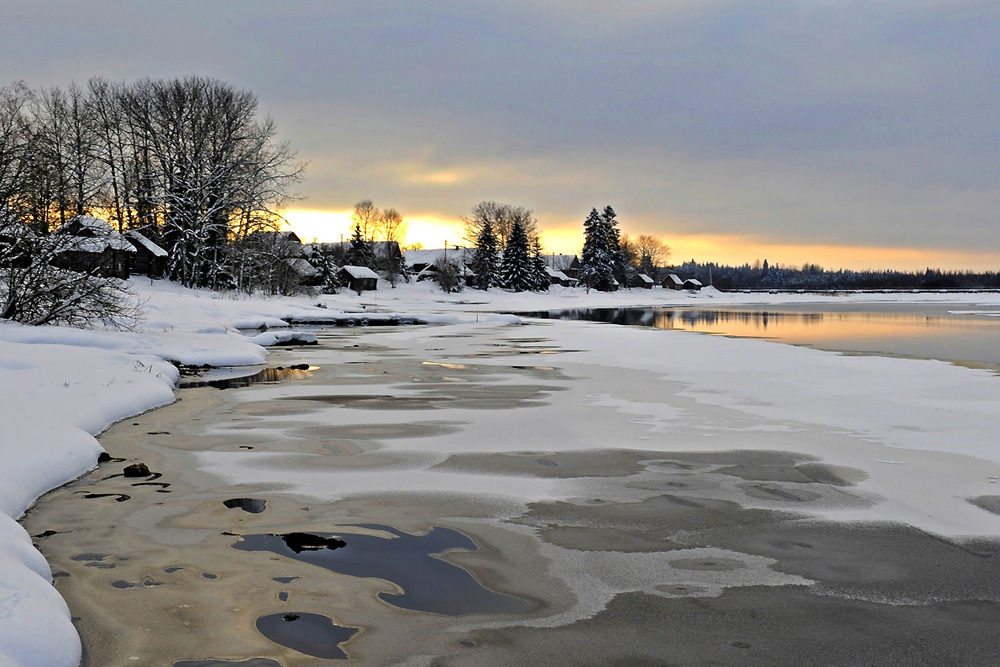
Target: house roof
[(673, 278), (96, 225), (302, 267), (555, 273), (285, 235), (360, 272), (415, 257), (693, 281), (100, 235), (560, 262), (95, 244), (644, 278), (153, 249)]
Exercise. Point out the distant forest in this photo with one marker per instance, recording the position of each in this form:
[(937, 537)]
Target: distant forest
[(761, 276)]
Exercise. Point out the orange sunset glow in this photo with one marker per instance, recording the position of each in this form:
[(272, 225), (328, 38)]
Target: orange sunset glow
[(567, 238)]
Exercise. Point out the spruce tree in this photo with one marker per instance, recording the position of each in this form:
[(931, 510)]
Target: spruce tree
[(485, 261), (610, 221), (597, 259), (361, 252), (539, 273), (325, 263), (515, 269)]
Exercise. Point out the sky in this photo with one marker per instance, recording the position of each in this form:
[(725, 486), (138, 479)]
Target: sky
[(844, 133)]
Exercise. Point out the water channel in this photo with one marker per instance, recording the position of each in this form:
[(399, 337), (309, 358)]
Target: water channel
[(966, 335)]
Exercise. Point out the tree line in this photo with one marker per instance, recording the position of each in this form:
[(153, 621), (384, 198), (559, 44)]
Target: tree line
[(190, 162), (814, 277)]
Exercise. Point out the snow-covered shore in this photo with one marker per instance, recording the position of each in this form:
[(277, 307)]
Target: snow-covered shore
[(61, 387)]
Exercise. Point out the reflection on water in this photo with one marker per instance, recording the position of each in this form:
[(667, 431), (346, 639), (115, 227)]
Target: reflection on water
[(933, 332), (427, 582)]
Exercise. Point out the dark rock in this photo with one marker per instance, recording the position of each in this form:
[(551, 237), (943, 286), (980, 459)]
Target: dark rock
[(137, 470), (300, 367), (291, 617), (103, 457)]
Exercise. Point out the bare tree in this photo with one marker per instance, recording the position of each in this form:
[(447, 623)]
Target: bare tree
[(653, 253), (501, 219), (16, 148), (203, 161), (366, 219), (391, 231), (390, 227)]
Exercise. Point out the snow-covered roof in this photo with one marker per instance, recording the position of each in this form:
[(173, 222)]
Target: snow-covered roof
[(302, 267), (555, 273), (154, 249), (693, 281), (415, 257), (360, 272), (560, 261), (102, 235), (96, 225), (96, 244), (673, 277), (646, 279)]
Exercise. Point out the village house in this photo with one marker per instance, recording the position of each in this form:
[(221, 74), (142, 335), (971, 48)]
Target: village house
[(384, 251), (641, 280), (149, 259), (358, 278), (557, 277), (569, 265), (92, 246), (673, 281), (421, 262)]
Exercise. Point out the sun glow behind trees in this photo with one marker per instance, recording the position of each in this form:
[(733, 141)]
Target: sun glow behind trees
[(565, 237), (333, 225)]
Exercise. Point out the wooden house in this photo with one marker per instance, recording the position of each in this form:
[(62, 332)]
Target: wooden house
[(641, 280), (421, 262), (569, 265), (92, 246), (557, 277), (693, 284), (149, 259), (673, 281), (358, 278)]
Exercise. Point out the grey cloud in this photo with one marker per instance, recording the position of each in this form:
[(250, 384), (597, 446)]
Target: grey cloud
[(834, 121)]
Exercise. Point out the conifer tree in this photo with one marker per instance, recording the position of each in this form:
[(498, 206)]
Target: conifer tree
[(515, 269), (485, 262), (538, 270), (361, 252), (610, 221), (597, 261)]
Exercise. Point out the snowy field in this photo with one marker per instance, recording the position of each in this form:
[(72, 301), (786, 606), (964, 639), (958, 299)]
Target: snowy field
[(922, 431)]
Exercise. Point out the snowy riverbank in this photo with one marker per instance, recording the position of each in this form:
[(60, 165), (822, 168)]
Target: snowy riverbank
[(61, 387)]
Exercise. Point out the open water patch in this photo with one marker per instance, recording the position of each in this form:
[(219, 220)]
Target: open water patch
[(411, 562), (251, 505), (311, 634), (264, 376)]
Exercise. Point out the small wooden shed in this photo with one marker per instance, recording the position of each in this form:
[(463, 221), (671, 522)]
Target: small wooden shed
[(358, 278), (641, 280), (673, 281), (149, 259)]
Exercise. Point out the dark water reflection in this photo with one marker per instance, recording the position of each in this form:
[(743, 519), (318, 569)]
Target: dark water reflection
[(428, 583), (970, 336)]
